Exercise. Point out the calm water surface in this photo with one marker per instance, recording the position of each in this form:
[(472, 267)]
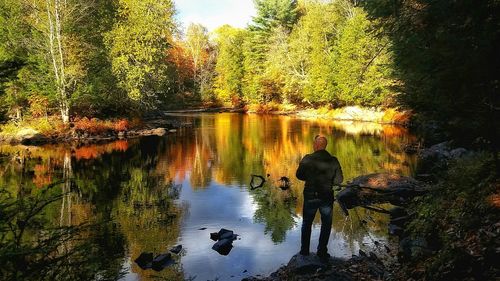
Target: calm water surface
[(161, 192)]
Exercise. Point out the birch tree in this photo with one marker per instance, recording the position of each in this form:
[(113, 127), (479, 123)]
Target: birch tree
[(55, 38), (197, 45)]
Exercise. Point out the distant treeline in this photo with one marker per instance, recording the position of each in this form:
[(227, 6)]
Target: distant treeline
[(95, 57), (103, 58)]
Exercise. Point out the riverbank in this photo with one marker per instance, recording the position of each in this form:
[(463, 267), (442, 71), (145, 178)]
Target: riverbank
[(52, 130), (349, 113), (449, 233), (84, 130)]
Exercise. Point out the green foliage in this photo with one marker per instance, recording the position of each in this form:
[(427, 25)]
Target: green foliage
[(229, 66), (310, 52), (138, 46), (318, 53), (446, 55), (361, 62), (274, 13), (454, 214)]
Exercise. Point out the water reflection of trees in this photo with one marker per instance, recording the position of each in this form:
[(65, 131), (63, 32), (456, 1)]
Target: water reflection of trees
[(228, 148), (128, 185), (120, 190)]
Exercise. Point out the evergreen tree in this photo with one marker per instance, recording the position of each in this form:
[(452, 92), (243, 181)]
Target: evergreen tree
[(229, 67)]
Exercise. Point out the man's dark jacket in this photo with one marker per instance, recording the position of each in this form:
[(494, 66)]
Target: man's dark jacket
[(320, 171)]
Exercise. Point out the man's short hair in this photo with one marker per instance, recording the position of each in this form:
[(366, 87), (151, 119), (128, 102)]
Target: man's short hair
[(321, 138)]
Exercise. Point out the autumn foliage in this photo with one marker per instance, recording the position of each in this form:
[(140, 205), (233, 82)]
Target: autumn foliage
[(96, 126)]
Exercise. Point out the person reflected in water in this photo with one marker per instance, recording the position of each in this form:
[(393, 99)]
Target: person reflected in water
[(320, 171)]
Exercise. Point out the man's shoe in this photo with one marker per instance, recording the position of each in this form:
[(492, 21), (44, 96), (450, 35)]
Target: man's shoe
[(324, 257), (304, 253)]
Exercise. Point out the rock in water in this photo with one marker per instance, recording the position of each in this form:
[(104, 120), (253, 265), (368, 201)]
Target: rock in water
[(225, 234), (223, 246), (214, 236), (161, 261), (225, 241), (144, 261), (177, 249)]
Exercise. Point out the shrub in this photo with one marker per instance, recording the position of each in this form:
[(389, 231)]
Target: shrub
[(91, 126), (121, 125), (96, 126)]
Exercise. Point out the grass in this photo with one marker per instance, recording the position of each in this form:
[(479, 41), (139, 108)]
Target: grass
[(45, 126), (53, 126)]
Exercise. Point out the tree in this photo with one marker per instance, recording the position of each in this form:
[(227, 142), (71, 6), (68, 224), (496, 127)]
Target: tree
[(229, 67), (274, 13), (446, 57), (361, 62), (197, 45), (272, 16), (139, 44), (310, 51), (202, 55)]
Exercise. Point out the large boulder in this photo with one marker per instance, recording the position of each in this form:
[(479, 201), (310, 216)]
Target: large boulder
[(379, 188), (30, 136), (305, 264), (385, 181), (437, 156)]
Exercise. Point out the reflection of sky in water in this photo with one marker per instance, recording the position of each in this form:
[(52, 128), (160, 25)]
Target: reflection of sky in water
[(221, 205), (233, 208), (213, 162)]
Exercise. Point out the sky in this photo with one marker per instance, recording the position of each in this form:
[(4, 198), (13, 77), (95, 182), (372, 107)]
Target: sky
[(214, 13)]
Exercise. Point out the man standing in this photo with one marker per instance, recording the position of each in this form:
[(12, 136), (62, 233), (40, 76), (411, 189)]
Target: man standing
[(320, 171)]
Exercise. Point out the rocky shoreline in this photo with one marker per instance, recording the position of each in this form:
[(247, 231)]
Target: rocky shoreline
[(348, 113), (151, 127), (161, 123), (310, 268)]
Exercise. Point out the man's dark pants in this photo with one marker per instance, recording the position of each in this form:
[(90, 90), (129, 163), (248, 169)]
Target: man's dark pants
[(309, 211)]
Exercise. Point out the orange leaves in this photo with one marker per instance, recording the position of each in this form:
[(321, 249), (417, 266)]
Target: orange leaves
[(178, 56), (396, 117), (494, 200), (92, 126), (95, 151), (121, 125), (96, 126), (43, 175)]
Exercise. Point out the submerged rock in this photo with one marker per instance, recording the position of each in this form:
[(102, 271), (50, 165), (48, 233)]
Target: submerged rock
[(223, 246), (161, 261), (176, 250), (144, 261), (224, 240)]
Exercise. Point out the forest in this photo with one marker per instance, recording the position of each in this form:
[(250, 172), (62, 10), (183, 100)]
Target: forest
[(112, 57), (103, 59)]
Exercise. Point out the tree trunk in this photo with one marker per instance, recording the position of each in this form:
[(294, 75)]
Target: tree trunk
[(57, 56)]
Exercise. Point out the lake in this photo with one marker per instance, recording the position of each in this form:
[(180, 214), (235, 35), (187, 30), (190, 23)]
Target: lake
[(157, 192)]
